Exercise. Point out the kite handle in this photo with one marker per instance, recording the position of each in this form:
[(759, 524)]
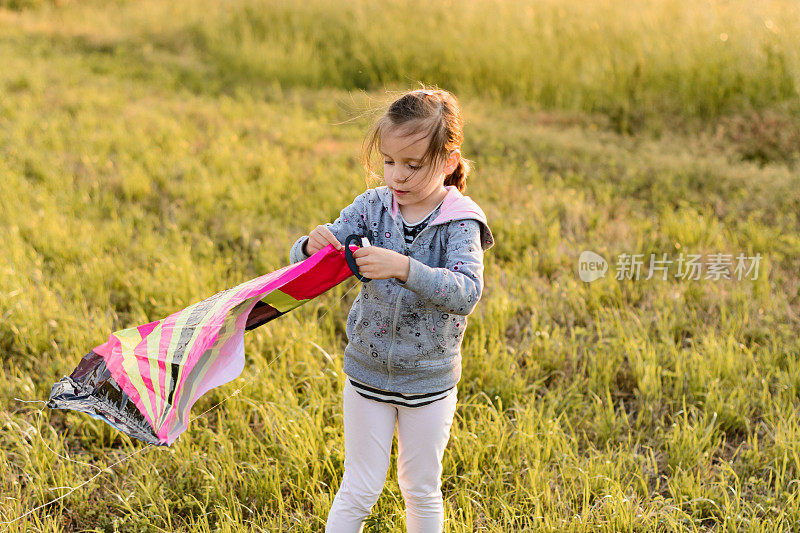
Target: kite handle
[(351, 261)]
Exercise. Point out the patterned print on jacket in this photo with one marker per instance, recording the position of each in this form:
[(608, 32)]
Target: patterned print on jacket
[(406, 337)]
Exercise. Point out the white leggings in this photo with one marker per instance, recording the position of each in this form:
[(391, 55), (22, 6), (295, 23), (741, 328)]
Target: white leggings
[(422, 435)]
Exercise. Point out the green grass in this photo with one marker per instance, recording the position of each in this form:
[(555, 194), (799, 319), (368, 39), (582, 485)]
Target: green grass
[(675, 57), (152, 155)]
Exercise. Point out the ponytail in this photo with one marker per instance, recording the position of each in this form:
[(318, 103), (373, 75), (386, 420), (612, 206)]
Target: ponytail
[(459, 176)]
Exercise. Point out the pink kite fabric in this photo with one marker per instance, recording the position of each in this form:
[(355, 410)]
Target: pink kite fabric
[(165, 366)]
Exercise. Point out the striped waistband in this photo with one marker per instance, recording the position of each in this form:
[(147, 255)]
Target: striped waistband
[(408, 400)]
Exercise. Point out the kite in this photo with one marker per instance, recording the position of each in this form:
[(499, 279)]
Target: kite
[(144, 380)]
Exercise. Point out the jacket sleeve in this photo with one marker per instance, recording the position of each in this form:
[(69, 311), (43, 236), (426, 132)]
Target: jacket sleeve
[(457, 287), (352, 219)]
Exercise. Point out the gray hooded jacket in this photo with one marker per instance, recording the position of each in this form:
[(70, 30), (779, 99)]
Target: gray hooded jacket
[(406, 337)]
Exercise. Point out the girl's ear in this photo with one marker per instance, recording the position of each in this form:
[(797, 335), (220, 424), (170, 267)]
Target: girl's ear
[(452, 161)]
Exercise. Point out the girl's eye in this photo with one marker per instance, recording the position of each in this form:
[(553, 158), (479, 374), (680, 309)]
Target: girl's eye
[(387, 162), (413, 167)]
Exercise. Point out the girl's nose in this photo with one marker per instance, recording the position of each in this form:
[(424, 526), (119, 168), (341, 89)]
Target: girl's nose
[(397, 177)]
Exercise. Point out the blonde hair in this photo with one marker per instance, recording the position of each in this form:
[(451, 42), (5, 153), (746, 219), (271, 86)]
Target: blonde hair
[(436, 113)]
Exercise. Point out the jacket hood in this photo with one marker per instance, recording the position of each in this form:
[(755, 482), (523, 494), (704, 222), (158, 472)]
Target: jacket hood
[(455, 206)]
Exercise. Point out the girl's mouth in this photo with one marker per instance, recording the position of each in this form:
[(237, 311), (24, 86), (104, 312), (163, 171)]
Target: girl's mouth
[(399, 193)]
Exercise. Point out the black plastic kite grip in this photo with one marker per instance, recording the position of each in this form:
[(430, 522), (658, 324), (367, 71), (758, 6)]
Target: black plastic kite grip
[(348, 255)]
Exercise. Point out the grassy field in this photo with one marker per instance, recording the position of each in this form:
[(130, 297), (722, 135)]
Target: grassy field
[(152, 154)]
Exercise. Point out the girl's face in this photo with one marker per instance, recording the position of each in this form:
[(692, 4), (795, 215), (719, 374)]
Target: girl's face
[(410, 182)]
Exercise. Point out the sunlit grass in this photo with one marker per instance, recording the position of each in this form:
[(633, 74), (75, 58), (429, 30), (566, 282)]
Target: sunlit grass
[(633, 63), (130, 190)]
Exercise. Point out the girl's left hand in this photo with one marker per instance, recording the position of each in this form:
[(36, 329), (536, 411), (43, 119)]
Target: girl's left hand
[(375, 262)]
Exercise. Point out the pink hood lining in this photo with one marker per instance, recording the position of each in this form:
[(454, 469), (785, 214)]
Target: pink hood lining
[(455, 206)]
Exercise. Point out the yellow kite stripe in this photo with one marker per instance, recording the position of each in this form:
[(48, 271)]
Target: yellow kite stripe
[(129, 339), (282, 301)]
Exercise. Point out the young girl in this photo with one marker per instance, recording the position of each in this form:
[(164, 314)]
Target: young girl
[(405, 328)]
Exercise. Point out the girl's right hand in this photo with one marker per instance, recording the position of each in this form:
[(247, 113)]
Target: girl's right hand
[(319, 238)]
